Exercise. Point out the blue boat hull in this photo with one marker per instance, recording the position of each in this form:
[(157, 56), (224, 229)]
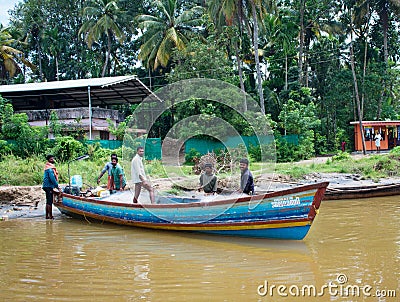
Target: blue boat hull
[(290, 233), (287, 214)]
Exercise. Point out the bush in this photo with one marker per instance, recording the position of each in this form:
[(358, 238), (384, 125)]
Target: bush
[(155, 168), (4, 148), (262, 153), (305, 148), (192, 156), (395, 153), (96, 152), (341, 156), (285, 152), (67, 148), (321, 144), (255, 152)]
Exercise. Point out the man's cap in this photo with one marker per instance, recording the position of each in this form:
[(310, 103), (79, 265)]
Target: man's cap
[(208, 165)]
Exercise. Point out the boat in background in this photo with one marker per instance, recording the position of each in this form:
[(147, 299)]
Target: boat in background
[(370, 191), (285, 214)]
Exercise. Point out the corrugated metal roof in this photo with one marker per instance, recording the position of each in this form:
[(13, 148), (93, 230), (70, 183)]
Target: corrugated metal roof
[(377, 123), (74, 93), (95, 82)]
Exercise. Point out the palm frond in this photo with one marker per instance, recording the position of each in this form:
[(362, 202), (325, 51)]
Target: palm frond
[(148, 46), (163, 53), (167, 12), (11, 66)]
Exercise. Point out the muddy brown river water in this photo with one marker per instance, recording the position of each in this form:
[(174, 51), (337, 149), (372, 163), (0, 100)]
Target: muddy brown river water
[(352, 253)]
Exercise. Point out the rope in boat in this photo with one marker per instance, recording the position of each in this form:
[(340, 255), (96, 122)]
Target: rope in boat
[(84, 216)]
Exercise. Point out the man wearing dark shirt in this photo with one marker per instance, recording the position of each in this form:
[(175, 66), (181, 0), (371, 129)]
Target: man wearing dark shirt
[(246, 179), (50, 182), (208, 181)]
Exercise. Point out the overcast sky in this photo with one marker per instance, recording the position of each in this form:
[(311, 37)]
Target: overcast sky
[(5, 6)]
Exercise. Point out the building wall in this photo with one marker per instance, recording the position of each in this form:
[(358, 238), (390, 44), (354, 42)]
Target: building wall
[(79, 117)]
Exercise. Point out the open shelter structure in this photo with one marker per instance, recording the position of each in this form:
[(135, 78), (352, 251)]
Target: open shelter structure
[(84, 95)]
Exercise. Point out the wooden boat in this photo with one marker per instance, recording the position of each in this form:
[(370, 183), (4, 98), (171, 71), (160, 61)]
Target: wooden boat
[(362, 192), (286, 214)]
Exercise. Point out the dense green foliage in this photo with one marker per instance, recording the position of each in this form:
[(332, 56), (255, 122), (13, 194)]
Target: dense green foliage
[(309, 55)]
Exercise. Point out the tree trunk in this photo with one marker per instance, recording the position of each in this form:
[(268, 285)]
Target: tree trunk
[(364, 75), (353, 70), (301, 46), (286, 72), (57, 71), (240, 71), (256, 57), (305, 79), (385, 25), (107, 55), (40, 61), (384, 16)]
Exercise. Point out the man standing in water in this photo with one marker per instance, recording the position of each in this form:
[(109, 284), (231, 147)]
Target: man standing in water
[(246, 179), (50, 182), (139, 176)]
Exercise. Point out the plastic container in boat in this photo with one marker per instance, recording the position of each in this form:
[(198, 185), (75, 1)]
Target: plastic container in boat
[(76, 181), (103, 193)]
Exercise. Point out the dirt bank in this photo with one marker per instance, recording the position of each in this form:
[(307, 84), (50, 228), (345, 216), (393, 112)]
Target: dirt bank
[(21, 201), (21, 195)]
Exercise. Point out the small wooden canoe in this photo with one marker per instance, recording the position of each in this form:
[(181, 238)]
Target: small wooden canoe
[(336, 193), (286, 214)]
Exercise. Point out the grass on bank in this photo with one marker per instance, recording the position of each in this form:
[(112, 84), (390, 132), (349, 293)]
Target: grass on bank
[(27, 172), (371, 166)]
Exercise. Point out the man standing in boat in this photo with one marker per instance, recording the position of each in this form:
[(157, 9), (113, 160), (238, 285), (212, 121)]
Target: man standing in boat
[(50, 182), (118, 181), (246, 179), (107, 168), (208, 181), (139, 176)]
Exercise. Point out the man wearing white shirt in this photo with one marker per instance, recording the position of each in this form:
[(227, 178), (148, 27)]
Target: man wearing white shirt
[(139, 176)]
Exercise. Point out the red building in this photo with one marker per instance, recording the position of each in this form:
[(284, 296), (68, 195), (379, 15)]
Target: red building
[(389, 131)]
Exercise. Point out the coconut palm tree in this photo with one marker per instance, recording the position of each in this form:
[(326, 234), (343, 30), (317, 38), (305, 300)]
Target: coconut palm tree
[(230, 13), (362, 14), (167, 26), (280, 33), (255, 6), (10, 56), (245, 10), (52, 44), (103, 17), (383, 9)]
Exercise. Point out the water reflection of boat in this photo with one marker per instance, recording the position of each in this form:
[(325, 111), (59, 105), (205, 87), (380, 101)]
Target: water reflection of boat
[(285, 214), (370, 191)]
